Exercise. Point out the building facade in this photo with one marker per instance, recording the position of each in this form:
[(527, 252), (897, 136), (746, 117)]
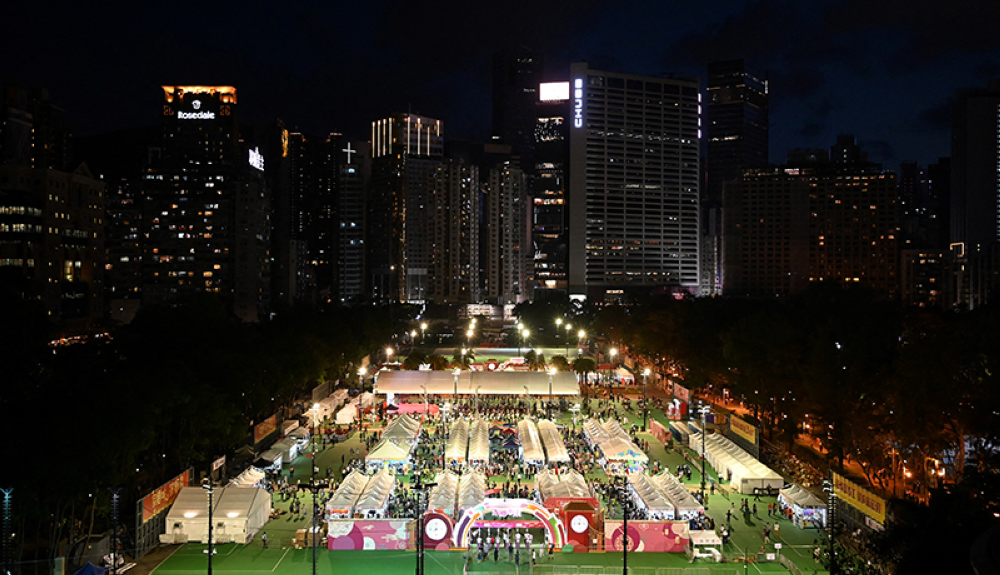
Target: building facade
[(206, 206), (454, 226), (509, 256), (634, 184)]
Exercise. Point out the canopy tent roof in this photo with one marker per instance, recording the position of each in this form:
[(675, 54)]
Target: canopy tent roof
[(458, 441), (471, 491), (377, 492), (479, 441), (650, 493), (340, 395), (682, 499), (705, 538), (191, 503), (620, 450), (347, 494), (615, 429), (569, 484), (595, 431), (487, 382), (803, 498), (623, 373), (747, 472), (243, 503), (248, 478), (347, 414), (390, 450), (402, 427), (443, 495), (552, 441), (531, 445)]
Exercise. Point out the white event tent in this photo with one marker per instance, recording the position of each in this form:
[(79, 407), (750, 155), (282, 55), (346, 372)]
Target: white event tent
[(552, 441), (650, 496), (458, 441), (685, 505), (442, 383), (442, 497), (471, 491), (238, 513), (479, 442), (531, 445), (729, 459)]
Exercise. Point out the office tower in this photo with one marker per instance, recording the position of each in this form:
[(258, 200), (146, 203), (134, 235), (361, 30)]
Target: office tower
[(454, 233), (352, 167), (406, 152), (52, 241), (123, 246), (548, 189), (509, 253), (785, 228), (33, 130), (516, 76), (925, 278), (205, 206), (736, 135), (634, 184)]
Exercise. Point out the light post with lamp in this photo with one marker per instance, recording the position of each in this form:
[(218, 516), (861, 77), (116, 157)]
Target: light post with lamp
[(468, 336), (413, 337), (427, 414), (423, 333), (559, 322), (552, 372), (477, 399), (207, 485), (315, 412), (568, 328), (703, 410), (525, 332), (645, 408), (456, 374), (579, 342), (388, 354)]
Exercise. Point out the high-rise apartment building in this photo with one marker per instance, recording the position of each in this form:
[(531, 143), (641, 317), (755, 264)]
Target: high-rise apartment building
[(549, 213), (33, 130), (454, 233), (509, 254), (737, 137), (516, 76), (785, 228), (406, 150), (634, 183), (206, 206), (52, 241)]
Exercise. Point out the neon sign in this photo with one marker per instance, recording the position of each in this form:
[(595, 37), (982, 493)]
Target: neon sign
[(578, 103), (256, 159), (196, 115)]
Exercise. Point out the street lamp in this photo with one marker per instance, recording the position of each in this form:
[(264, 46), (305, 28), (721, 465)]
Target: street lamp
[(455, 373), (315, 412), (477, 399), (468, 336), (413, 336), (558, 325), (207, 485), (423, 333), (568, 328), (645, 409), (703, 410), (579, 341), (611, 371), (388, 354), (552, 372), (426, 402)]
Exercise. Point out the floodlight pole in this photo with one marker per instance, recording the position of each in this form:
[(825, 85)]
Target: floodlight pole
[(8, 494), (115, 494), (207, 485), (625, 506)]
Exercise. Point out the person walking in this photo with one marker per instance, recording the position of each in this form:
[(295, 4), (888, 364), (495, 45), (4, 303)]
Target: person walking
[(263, 539), (755, 510)]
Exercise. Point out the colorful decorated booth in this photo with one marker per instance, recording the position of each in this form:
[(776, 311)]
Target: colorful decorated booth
[(808, 511)]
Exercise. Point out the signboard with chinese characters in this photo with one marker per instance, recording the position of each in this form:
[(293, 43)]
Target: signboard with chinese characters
[(859, 498), (159, 500), (743, 429), (218, 463), (682, 393), (265, 428)]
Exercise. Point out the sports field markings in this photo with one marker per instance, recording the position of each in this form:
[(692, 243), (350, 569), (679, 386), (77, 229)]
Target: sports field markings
[(282, 559), (745, 556)]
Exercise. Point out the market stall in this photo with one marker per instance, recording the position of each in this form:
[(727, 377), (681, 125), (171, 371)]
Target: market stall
[(376, 496), (341, 505), (619, 457), (569, 484), (270, 460), (402, 428), (648, 495), (289, 448), (347, 414), (531, 445), (389, 453), (479, 443), (685, 505), (471, 492), (552, 442), (457, 448), (237, 514), (442, 497), (744, 471), (251, 477), (187, 519), (594, 432), (808, 511)]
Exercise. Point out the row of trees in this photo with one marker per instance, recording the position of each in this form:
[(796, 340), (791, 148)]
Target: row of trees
[(180, 385)]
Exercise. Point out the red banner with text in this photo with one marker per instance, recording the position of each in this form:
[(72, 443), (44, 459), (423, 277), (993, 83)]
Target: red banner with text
[(164, 496), (265, 428)]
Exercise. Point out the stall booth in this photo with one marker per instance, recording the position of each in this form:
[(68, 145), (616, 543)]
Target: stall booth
[(808, 511), (402, 428), (323, 410), (648, 495), (251, 477), (531, 445), (621, 458), (341, 505), (270, 460), (456, 451), (685, 505), (706, 544), (625, 376), (594, 433), (552, 442), (375, 498), (340, 396), (238, 514), (471, 492), (744, 471), (389, 453), (288, 426), (289, 448), (570, 497), (347, 414), (442, 496), (479, 443)]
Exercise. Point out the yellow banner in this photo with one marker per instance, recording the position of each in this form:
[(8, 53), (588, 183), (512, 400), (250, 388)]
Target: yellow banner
[(861, 499), (743, 429)]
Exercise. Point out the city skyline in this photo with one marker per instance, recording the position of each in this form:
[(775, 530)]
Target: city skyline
[(831, 68)]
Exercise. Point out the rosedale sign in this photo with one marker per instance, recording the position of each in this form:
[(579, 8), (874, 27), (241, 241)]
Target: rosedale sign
[(196, 115)]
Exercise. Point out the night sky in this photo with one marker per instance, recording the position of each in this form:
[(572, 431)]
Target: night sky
[(881, 69)]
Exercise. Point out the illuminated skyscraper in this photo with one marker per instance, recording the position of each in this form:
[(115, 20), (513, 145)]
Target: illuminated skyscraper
[(406, 151), (205, 206), (634, 184)]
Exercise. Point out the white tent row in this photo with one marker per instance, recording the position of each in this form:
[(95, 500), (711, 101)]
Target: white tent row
[(375, 498), (343, 500), (443, 383), (568, 484), (442, 497), (729, 460), (595, 432), (322, 409), (531, 445), (347, 414), (403, 427), (614, 429), (237, 515), (471, 491), (552, 441), (797, 495), (479, 442), (458, 441), (685, 505), (249, 478), (652, 498)]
